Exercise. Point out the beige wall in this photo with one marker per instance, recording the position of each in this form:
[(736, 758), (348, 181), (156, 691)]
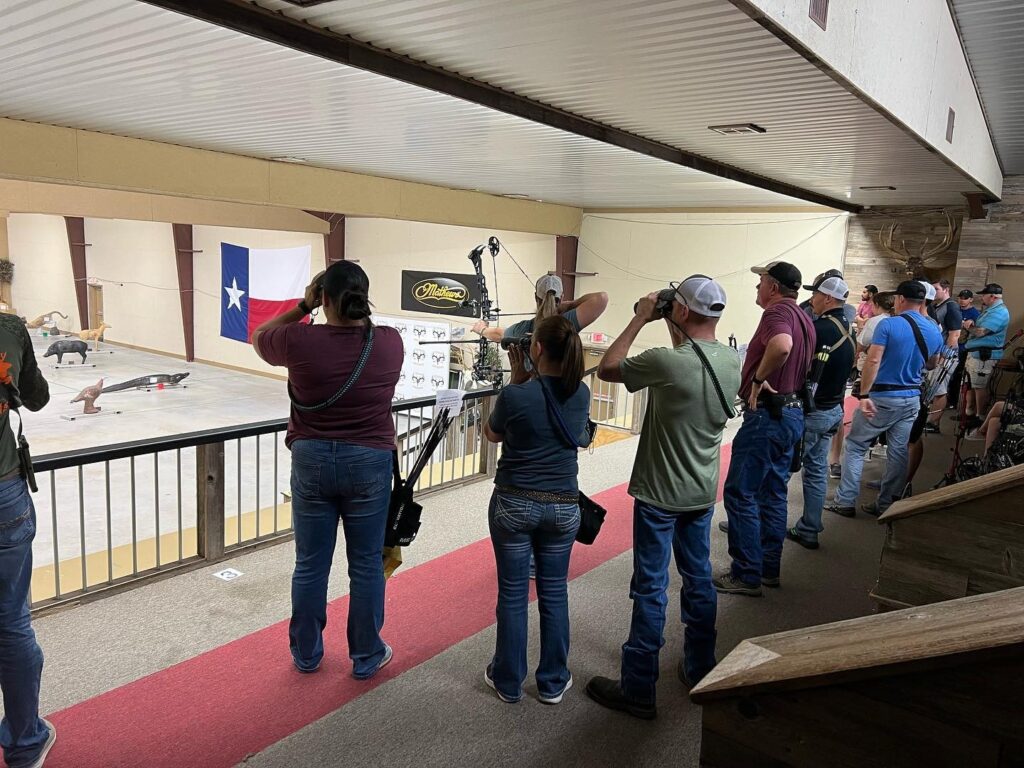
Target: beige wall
[(635, 254), (46, 153), (134, 262), (42, 267), (384, 248), (210, 345)]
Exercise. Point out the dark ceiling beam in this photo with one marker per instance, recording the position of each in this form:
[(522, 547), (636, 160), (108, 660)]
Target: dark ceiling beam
[(273, 27)]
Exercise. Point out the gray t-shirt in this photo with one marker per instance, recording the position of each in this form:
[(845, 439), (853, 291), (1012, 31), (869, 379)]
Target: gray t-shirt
[(676, 465)]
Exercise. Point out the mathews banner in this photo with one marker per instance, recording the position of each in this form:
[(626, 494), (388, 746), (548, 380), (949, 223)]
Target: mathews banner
[(258, 284), (441, 293)]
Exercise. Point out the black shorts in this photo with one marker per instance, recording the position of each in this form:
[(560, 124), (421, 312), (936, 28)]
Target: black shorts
[(918, 429)]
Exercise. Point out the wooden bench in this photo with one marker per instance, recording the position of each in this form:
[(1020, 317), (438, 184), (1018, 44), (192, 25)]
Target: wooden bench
[(964, 539), (928, 687)]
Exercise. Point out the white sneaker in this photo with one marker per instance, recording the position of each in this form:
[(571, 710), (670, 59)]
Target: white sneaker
[(46, 747), (974, 435), (556, 699)]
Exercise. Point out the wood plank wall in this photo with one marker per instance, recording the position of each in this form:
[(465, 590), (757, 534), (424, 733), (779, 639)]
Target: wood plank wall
[(866, 262), (999, 238)]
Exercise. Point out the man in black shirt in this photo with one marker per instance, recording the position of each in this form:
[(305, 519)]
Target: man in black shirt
[(832, 330), (946, 312), (24, 736)]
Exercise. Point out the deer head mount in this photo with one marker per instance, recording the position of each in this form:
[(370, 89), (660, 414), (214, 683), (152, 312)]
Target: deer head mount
[(914, 262)]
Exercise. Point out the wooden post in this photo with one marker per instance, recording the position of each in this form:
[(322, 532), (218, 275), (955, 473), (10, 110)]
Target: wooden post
[(75, 226), (488, 450), (565, 264), (334, 241), (183, 258), (210, 500)]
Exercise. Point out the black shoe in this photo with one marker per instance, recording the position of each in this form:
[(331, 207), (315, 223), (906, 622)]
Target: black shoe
[(608, 693), (931, 428), (870, 509), (724, 526), (771, 581), (728, 584), (841, 510), (792, 535)]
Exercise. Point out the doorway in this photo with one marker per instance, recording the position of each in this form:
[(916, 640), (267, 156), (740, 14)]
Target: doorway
[(95, 306), (1011, 277)]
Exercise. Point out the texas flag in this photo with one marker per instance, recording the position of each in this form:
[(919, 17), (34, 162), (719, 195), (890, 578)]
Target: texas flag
[(258, 284)]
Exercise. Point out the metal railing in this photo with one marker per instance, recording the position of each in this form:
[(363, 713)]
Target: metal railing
[(113, 516), (612, 405)]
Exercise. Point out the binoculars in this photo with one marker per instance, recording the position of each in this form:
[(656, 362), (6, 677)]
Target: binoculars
[(663, 304), (523, 342)]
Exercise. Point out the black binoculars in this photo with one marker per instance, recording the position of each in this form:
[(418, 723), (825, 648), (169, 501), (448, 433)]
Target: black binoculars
[(523, 342), (663, 304)]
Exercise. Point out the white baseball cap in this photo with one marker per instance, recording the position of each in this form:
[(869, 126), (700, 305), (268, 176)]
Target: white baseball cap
[(549, 283), (702, 294), (835, 287), (929, 290)]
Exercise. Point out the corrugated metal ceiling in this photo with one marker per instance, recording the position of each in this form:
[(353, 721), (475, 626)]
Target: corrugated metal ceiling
[(993, 36), (127, 68), (663, 69)]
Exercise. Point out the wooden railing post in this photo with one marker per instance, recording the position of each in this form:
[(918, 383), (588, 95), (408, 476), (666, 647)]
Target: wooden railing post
[(488, 450), (210, 500)]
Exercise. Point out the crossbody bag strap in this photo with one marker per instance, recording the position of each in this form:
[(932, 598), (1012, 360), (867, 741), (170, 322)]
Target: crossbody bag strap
[(918, 337), (364, 356), (556, 414), (729, 412)]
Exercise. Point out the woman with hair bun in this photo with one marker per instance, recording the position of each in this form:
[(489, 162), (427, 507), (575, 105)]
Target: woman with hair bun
[(341, 377), (535, 509)]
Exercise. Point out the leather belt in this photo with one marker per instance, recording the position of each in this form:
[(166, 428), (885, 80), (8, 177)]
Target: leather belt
[(541, 497)]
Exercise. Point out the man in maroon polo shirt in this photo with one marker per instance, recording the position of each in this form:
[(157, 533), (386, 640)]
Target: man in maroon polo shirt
[(774, 373)]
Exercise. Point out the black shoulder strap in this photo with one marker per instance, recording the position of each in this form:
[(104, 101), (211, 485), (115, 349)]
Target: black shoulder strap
[(729, 412), (556, 414), (360, 364), (918, 337)]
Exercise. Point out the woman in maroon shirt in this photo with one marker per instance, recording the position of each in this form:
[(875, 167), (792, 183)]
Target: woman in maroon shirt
[(341, 457)]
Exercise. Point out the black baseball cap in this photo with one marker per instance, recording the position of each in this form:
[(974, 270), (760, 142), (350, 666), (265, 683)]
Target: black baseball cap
[(787, 274), (911, 289), (822, 278), (965, 294), (993, 288)]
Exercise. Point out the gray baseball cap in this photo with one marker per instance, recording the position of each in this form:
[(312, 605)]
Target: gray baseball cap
[(549, 283), (702, 294)]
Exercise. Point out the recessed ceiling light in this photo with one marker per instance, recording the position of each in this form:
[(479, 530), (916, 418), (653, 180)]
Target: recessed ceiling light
[(517, 196), (737, 129), (289, 159), (881, 188)]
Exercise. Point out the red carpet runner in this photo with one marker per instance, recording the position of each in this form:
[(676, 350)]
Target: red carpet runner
[(240, 698)]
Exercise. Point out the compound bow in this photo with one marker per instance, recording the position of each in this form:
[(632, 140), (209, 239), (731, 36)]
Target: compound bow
[(486, 367)]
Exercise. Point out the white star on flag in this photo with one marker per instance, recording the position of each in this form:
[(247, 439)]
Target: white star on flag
[(234, 295)]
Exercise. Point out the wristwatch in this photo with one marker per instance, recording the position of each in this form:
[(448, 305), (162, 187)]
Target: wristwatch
[(303, 307), (864, 396), (758, 381)]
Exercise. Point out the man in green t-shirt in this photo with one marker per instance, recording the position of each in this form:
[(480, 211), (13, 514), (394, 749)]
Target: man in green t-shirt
[(674, 483)]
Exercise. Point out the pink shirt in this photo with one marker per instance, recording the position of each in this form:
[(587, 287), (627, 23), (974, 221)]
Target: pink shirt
[(864, 309), (782, 317), (319, 359)]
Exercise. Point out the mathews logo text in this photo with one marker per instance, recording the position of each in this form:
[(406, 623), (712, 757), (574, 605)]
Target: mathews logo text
[(440, 293)]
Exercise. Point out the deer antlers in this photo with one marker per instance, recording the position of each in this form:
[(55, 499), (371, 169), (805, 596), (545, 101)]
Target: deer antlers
[(915, 261)]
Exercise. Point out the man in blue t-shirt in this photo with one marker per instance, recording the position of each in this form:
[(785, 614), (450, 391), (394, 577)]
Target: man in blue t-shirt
[(890, 397), (984, 346), (970, 315)]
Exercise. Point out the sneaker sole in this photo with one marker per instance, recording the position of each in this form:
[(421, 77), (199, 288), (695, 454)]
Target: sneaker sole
[(842, 512), (501, 696), (556, 699), (41, 758), (773, 583), (388, 656), (745, 591)]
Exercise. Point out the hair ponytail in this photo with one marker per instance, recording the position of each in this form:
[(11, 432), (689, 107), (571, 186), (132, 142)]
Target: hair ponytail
[(548, 307), (347, 287), (562, 344)]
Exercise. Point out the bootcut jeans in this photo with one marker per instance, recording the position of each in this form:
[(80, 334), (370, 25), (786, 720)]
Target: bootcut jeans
[(819, 429), (331, 481)]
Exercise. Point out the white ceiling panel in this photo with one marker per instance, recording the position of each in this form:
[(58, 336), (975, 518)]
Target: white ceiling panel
[(993, 35), (665, 70)]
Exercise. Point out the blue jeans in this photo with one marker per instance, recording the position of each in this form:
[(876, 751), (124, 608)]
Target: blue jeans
[(333, 480), (755, 491), (22, 733), (518, 527), (895, 416), (656, 534), (819, 429)]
